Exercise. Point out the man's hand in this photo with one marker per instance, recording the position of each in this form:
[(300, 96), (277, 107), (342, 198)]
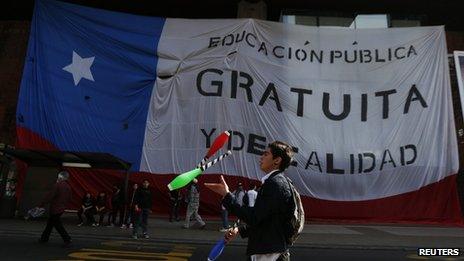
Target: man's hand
[(220, 188), (231, 234)]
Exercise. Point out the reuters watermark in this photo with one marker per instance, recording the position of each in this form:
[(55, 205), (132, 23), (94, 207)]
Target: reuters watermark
[(438, 251)]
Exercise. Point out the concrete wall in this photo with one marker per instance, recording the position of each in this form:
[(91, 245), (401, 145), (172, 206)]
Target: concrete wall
[(13, 46)]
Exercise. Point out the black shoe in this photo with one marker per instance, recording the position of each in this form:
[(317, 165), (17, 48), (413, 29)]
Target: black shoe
[(42, 241)]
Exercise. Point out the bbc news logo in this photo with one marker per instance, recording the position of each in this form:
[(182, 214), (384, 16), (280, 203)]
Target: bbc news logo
[(438, 252)]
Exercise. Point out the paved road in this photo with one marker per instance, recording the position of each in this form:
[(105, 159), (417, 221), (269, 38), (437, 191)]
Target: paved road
[(18, 241), (24, 246)]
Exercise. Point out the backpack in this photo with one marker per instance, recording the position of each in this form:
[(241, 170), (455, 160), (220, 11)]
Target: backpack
[(296, 216)]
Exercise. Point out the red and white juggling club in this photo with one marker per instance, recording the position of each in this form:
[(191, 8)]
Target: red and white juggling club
[(211, 163), (185, 178), (217, 144)]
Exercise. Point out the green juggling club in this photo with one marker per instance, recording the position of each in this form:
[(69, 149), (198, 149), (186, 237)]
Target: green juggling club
[(185, 178)]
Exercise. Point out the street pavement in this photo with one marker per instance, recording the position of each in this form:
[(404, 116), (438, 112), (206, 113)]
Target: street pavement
[(169, 241)]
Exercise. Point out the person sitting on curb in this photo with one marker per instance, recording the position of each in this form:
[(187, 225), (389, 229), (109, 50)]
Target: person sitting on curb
[(101, 207), (87, 208)]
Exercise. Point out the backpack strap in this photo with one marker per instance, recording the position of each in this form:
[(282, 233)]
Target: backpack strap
[(290, 186)]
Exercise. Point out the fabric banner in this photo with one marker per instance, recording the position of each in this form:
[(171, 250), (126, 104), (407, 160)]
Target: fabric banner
[(459, 63), (368, 112)]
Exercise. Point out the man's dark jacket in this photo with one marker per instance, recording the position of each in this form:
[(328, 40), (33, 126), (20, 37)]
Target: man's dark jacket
[(117, 199), (143, 198), (59, 197), (264, 221)]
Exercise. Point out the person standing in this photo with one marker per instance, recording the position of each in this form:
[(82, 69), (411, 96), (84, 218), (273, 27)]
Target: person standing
[(225, 219), (251, 196), (174, 198), (130, 214), (266, 220), (142, 207), (193, 197), (239, 194), (117, 206), (58, 199)]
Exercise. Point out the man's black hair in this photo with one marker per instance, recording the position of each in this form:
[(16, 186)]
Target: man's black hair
[(282, 150)]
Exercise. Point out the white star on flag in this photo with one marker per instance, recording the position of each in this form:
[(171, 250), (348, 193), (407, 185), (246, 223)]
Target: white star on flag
[(80, 68)]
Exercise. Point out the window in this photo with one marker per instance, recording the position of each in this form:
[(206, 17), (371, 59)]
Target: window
[(370, 21), (311, 18)]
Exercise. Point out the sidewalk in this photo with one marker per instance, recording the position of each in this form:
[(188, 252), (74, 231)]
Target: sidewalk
[(404, 237)]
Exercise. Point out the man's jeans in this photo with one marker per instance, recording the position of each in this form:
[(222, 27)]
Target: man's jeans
[(225, 217), (141, 221)]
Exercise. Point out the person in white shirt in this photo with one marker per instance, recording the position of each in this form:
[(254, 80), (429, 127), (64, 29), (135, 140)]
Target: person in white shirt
[(251, 194), (239, 194)]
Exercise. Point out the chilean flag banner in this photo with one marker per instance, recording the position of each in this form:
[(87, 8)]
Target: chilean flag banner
[(368, 111)]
